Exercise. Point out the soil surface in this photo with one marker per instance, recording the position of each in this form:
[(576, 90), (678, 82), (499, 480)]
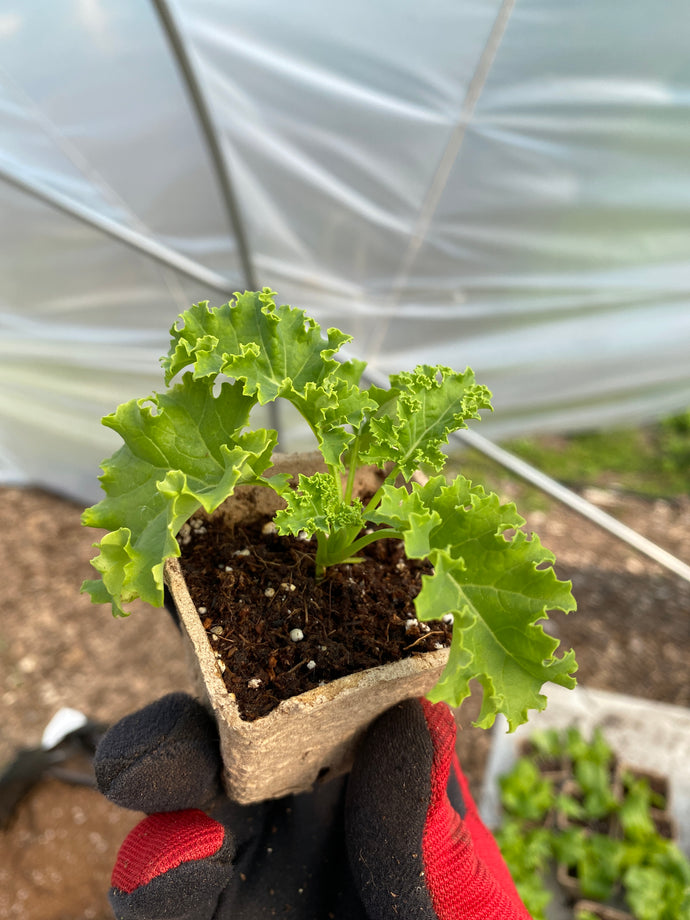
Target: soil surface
[(631, 634), (277, 631)]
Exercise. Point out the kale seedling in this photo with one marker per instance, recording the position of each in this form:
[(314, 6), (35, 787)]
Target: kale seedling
[(525, 793), (192, 445)]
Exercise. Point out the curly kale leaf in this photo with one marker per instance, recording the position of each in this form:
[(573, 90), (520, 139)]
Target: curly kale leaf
[(431, 403), (275, 352), (183, 449), (496, 581)]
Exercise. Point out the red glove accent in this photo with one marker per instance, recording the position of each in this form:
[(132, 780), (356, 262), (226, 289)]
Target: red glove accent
[(162, 842), (465, 872)]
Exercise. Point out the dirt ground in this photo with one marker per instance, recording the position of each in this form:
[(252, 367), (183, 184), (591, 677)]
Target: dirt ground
[(631, 634)]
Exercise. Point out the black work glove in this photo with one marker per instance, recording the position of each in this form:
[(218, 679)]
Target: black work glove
[(399, 837)]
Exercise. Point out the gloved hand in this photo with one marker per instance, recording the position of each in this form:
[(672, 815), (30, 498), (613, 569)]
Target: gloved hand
[(399, 837)]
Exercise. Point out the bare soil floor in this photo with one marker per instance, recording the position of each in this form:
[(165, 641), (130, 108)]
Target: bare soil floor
[(631, 635)]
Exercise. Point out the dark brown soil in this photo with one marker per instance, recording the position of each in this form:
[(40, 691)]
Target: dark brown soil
[(254, 588)]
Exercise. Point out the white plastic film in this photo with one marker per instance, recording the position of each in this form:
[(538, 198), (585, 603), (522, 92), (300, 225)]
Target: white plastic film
[(499, 184)]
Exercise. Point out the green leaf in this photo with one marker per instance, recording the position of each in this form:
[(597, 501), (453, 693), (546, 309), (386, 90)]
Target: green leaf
[(569, 845), (350, 372), (527, 853), (596, 751), (646, 891), (316, 506), (525, 793), (343, 411), (273, 350), (569, 806), (276, 352), (594, 779), (498, 584), (281, 351), (182, 449), (547, 743), (599, 866), (432, 402), (410, 512), (635, 810)]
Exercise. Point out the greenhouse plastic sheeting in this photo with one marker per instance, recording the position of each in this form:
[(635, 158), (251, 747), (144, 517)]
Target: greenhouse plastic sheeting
[(503, 185)]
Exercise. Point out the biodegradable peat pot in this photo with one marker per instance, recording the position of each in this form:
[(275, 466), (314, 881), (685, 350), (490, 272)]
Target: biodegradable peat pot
[(568, 881), (307, 738), (603, 911)]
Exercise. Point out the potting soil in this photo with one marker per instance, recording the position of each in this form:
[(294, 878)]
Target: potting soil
[(278, 631)]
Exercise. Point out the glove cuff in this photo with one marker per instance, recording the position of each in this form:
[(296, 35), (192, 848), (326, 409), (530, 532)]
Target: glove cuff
[(465, 872)]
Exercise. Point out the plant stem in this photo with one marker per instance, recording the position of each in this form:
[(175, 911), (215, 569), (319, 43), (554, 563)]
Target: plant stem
[(346, 551), (376, 497), (321, 555), (386, 534), (333, 472), (352, 472)]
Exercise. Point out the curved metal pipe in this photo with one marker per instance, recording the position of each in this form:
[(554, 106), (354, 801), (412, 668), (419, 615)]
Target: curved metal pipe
[(576, 502)]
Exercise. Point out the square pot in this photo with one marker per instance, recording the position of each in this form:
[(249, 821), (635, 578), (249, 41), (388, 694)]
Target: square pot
[(663, 820), (310, 737), (603, 911)]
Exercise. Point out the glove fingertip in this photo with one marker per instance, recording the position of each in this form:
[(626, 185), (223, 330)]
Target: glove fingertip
[(172, 861), (162, 842), (164, 757)]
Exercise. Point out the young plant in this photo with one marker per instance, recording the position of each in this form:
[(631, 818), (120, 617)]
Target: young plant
[(547, 744), (598, 797), (527, 852), (579, 749), (525, 794), (657, 886), (599, 866), (635, 813), (647, 870), (192, 445)]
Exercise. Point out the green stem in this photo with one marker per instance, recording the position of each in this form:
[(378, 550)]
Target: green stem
[(386, 534), (321, 555), (352, 472), (376, 497), (330, 551), (335, 474)]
